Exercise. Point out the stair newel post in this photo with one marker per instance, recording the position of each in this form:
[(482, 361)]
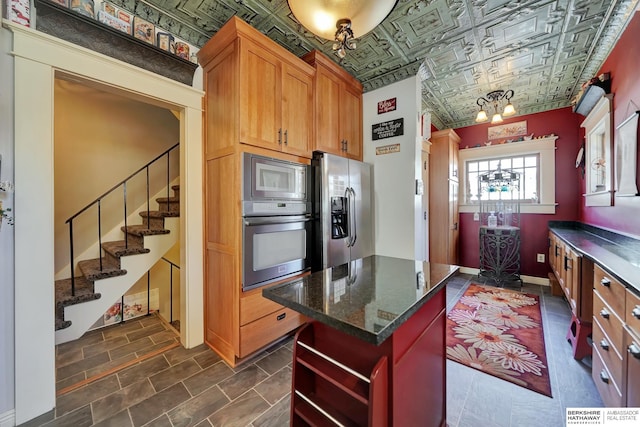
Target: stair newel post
[(168, 178), (73, 279), (100, 232), (148, 292), (126, 235), (171, 293), (148, 202)]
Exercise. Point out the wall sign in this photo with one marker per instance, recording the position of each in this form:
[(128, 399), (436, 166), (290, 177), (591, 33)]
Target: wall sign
[(387, 129), (386, 105), (388, 149)]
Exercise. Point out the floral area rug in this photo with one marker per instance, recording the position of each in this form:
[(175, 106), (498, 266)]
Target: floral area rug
[(499, 332)]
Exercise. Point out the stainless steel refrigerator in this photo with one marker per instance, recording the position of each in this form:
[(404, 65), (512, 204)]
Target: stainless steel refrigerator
[(343, 223)]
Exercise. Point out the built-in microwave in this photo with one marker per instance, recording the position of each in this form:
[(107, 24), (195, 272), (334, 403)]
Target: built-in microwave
[(273, 179)]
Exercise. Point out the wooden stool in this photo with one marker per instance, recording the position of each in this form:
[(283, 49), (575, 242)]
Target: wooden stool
[(577, 336)]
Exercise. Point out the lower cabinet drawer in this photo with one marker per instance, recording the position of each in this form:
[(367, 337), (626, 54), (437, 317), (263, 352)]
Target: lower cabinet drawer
[(253, 306), (608, 389), (267, 329), (632, 312), (610, 356), (609, 321)]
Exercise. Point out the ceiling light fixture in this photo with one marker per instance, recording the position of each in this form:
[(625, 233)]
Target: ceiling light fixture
[(340, 20), (494, 98)]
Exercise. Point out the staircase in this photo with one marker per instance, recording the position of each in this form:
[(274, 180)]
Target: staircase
[(104, 280)]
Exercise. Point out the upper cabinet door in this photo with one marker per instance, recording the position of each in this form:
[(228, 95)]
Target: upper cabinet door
[(297, 111), (327, 104), (351, 122), (338, 108), (260, 89)]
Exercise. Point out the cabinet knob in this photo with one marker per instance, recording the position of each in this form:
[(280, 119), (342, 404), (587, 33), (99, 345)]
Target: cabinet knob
[(634, 350), (604, 344), (281, 316), (636, 312), (286, 139), (604, 313), (279, 136), (605, 282), (604, 377)]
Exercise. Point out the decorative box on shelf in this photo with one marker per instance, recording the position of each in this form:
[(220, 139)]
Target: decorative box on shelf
[(590, 95)]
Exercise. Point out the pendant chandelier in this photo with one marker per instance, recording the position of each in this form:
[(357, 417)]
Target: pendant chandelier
[(494, 98), (340, 20)]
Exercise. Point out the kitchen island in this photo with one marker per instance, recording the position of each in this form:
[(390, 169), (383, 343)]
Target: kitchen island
[(374, 351)]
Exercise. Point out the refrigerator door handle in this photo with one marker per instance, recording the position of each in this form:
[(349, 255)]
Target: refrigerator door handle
[(347, 195), (355, 225)]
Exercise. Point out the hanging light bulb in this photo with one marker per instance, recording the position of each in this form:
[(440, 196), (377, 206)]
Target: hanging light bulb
[(509, 110), (323, 17), (482, 116)]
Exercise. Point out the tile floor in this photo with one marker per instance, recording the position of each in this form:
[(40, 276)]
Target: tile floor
[(180, 387)]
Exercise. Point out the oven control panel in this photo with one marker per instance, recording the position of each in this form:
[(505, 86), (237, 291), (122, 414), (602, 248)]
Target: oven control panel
[(269, 208)]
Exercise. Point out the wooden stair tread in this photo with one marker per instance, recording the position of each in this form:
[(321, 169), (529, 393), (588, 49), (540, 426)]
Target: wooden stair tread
[(91, 269), (143, 230), (168, 199), (159, 214), (120, 248), (83, 291)]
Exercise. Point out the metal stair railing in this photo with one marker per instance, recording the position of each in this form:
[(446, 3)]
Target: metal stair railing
[(98, 202)]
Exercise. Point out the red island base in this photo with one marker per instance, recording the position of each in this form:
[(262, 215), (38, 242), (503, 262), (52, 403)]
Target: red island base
[(340, 379)]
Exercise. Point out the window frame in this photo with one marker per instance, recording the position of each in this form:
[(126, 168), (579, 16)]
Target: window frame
[(543, 147)]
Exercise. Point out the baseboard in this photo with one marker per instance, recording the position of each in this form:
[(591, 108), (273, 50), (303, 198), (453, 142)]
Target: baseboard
[(8, 419), (543, 281)]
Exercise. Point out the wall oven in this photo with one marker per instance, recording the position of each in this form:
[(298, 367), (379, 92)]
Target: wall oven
[(276, 223)]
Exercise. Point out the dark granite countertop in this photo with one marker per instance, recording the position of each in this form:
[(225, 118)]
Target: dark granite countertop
[(368, 298), (618, 254)]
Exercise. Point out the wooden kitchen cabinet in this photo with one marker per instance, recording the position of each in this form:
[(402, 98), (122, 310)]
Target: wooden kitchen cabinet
[(574, 273), (337, 108), (264, 94), (632, 349), (258, 99), (443, 197)]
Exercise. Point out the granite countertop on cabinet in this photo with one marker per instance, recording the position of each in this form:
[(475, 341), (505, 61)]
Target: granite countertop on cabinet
[(368, 298), (616, 253)]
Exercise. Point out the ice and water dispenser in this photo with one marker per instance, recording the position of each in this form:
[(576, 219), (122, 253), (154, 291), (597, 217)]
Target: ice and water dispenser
[(339, 218)]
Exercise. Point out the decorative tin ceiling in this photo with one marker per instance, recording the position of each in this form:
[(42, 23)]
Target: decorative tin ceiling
[(462, 49)]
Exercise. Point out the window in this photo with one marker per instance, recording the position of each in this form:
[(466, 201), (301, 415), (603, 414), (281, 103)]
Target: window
[(524, 189), (534, 160)]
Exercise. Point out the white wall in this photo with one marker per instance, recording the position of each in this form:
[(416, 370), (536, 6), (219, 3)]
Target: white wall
[(399, 230), (100, 139), (39, 58), (6, 233)]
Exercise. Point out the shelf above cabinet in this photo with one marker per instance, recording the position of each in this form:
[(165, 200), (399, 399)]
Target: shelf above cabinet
[(73, 27)]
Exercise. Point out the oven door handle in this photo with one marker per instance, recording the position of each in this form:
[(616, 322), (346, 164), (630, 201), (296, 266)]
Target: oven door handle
[(276, 219)]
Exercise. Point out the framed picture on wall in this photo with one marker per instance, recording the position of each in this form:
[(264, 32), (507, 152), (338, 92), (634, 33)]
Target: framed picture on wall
[(144, 30), (164, 41), (83, 7)]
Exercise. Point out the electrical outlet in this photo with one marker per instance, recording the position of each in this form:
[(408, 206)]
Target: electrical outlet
[(540, 257), (476, 216)]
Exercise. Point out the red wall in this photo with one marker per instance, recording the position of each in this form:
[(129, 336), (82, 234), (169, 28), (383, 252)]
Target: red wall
[(564, 123), (623, 63)]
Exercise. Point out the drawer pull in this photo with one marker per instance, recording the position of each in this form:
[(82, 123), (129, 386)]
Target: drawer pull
[(634, 350), (604, 344), (604, 313), (281, 316), (605, 282), (604, 377), (636, 312)]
